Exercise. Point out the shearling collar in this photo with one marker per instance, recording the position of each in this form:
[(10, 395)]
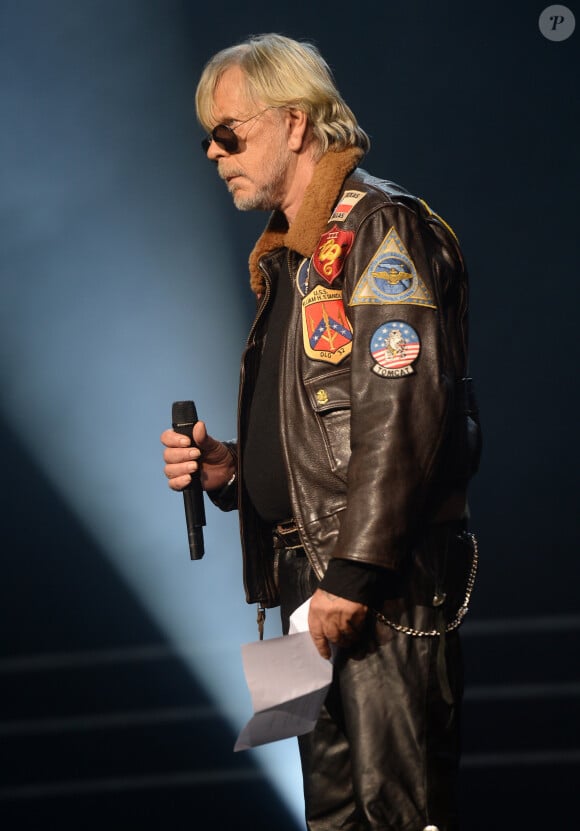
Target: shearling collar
[(319, 199)]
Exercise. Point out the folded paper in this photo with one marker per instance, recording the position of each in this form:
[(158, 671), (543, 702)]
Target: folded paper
[(288, 680)]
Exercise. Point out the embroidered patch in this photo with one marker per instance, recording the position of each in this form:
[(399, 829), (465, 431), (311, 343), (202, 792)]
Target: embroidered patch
[(302, 277), (345, 204), (391, 277), (394, 347), (332, 248), (326, 331)]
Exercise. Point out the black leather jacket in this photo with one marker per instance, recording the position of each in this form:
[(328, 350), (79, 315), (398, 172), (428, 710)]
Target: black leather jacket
[(378, 427)]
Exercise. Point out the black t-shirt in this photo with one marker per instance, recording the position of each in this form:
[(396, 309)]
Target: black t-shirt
[(263, 463)]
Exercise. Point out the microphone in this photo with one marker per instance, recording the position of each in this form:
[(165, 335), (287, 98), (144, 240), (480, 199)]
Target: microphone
[(184, 416)]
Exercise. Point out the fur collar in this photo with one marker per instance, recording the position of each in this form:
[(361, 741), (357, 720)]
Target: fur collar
[(319, 199)]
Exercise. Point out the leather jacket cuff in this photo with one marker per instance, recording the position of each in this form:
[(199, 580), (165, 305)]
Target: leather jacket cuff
[(226, 497)]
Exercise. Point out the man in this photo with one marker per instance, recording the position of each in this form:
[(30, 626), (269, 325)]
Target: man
[(357, 434)]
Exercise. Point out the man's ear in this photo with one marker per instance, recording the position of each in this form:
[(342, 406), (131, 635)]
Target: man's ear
[(297, 125)]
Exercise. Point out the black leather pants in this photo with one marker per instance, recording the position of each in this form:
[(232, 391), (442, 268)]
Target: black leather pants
[(385, 751)]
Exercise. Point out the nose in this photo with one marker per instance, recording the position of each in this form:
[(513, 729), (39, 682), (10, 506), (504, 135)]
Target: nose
[(215, 152)]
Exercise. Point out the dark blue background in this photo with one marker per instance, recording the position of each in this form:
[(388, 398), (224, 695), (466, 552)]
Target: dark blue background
[(470, 108)]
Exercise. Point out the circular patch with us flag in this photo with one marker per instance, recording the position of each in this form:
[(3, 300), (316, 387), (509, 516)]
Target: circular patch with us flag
[(394, 347)]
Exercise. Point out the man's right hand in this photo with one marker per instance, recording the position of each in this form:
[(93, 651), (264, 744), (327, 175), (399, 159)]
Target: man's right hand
[(210, 455)]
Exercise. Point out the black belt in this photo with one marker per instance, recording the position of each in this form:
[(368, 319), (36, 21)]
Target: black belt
[(286, 535)]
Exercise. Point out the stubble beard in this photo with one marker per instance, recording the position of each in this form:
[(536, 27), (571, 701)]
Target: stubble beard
[(267, 197)]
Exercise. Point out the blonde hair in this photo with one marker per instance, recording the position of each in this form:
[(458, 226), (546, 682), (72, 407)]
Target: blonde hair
[(281, 72)]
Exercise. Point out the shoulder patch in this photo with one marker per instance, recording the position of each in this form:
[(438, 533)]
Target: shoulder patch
[(332, 248), (345, 204), (394, 347), (326, 331), (391, 277)]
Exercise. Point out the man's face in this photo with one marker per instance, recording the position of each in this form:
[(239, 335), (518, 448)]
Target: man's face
[(256, 174)]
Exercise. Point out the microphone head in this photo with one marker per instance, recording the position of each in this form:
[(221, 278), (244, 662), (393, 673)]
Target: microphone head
[(183, 413)]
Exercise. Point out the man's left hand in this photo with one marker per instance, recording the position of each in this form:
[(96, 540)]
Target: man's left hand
[(336, 620)]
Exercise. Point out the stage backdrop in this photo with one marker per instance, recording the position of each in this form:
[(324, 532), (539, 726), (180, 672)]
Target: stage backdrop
[(124, 287)]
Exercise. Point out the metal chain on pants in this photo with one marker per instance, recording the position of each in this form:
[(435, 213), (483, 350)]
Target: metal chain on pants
[(461, 612)]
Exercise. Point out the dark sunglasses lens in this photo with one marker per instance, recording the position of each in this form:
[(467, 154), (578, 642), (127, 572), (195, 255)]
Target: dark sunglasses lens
[(225, 137), (222, 135)]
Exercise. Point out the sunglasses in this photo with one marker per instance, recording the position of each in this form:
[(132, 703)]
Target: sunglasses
[(226, 137)]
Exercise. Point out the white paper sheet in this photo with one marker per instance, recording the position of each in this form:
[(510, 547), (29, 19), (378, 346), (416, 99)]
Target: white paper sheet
[(288, 681)]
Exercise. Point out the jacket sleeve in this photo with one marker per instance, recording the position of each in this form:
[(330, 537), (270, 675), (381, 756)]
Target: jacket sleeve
[(403, 286)]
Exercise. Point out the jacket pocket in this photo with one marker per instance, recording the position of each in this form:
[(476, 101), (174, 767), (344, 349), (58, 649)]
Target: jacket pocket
[(329, 397)]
